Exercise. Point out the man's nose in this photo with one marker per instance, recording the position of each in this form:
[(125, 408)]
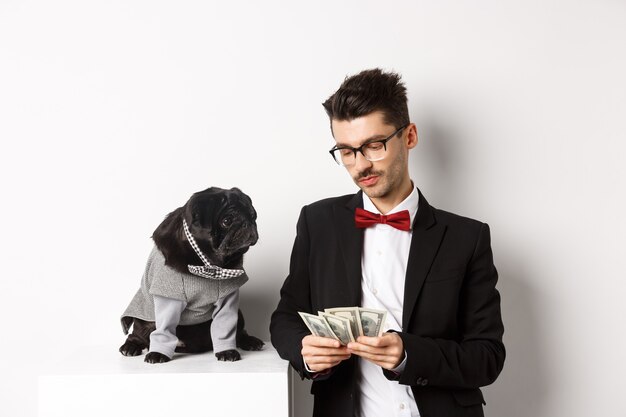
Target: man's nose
[(360, 163)]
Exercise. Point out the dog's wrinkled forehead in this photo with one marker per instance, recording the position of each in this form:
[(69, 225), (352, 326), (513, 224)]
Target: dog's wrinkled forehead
[(214, 205)]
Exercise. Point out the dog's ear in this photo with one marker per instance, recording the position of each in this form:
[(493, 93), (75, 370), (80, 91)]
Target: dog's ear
[(202, 208), (195, 216), (241, 194), (246, 198), (166, 233)]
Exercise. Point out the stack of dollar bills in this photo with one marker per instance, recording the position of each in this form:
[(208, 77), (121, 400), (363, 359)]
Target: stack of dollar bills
[(346, 323)]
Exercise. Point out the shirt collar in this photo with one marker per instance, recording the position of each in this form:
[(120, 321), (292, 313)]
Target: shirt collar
[(410, 203)]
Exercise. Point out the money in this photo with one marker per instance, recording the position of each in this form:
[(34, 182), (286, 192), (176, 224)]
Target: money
[(318, 325), (345, 324), (352, 314), (372, 321), (340, 327)]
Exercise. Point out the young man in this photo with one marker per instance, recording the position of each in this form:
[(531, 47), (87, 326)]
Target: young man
[(431, 270)]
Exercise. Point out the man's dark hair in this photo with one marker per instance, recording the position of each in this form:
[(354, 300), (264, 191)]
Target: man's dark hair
[(369, 91)]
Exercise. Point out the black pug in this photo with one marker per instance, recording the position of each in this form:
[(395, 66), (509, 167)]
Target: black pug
[(189, 296)]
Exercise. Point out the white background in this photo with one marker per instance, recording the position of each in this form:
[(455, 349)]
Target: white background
[(112, 113)]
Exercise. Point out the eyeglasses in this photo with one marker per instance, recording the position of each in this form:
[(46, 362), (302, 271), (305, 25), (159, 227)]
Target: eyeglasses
[(375, 150)]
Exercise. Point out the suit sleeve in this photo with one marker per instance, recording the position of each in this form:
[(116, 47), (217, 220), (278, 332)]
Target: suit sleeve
[(476, 358), (286, 326)]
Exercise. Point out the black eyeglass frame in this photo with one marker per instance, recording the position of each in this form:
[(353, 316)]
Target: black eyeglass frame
[(360, 148)]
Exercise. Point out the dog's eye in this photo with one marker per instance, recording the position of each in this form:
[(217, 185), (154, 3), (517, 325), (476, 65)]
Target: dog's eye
[(226, 221)]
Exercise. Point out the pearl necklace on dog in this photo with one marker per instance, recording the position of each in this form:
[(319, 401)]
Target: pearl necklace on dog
[(208, 270)]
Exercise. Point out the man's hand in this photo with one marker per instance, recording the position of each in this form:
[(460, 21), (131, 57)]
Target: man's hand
[(321, 353), (386, 351)]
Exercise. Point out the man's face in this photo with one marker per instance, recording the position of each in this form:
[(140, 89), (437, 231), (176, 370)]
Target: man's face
[(378, 179)]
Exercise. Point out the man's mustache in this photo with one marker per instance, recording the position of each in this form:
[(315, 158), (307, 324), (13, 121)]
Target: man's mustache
[(367, 173)]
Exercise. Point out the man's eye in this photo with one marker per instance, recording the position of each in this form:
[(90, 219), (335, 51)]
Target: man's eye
[(345, 151), (375, 146), (226, 221)]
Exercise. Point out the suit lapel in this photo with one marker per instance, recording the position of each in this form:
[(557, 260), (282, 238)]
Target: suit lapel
[(351, 243), (427, 235)]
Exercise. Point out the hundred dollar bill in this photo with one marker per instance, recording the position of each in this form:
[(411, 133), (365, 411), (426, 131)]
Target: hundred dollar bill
[(317, 325), (351, 313), (372, 321), (340, 327)]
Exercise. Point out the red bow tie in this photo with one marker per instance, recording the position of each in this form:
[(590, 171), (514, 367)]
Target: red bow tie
[(400, 220)]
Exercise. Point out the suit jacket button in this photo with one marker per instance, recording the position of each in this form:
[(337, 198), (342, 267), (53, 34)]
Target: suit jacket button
[(424, 381), (418, 380)]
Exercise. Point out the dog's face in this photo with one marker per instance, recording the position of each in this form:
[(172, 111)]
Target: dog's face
[(223, 222)]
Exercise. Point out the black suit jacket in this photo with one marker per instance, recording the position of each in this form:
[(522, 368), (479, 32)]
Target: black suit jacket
[(451, 323)]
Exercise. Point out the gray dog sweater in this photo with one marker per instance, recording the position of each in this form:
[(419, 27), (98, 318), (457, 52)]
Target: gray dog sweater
[(184, 298)]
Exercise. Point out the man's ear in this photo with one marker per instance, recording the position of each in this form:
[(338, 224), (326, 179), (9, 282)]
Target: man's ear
[(411, 137)]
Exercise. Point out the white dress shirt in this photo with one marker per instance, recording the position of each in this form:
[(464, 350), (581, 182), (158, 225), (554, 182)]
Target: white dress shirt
[(383, 264)]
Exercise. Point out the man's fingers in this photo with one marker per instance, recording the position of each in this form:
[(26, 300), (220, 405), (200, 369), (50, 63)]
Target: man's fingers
[(321, 363), (385, 350), (386, 339), (318, 360), (323, 366), (334, 353), (384, 361), (324, 351), (373, 356), (311, 340), (322, 346), (361, 347), (373, 341)]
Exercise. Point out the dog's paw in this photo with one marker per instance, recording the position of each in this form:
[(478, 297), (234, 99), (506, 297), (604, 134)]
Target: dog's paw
[(230, 355), (131, 349), (156, 357), (248, 342)]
